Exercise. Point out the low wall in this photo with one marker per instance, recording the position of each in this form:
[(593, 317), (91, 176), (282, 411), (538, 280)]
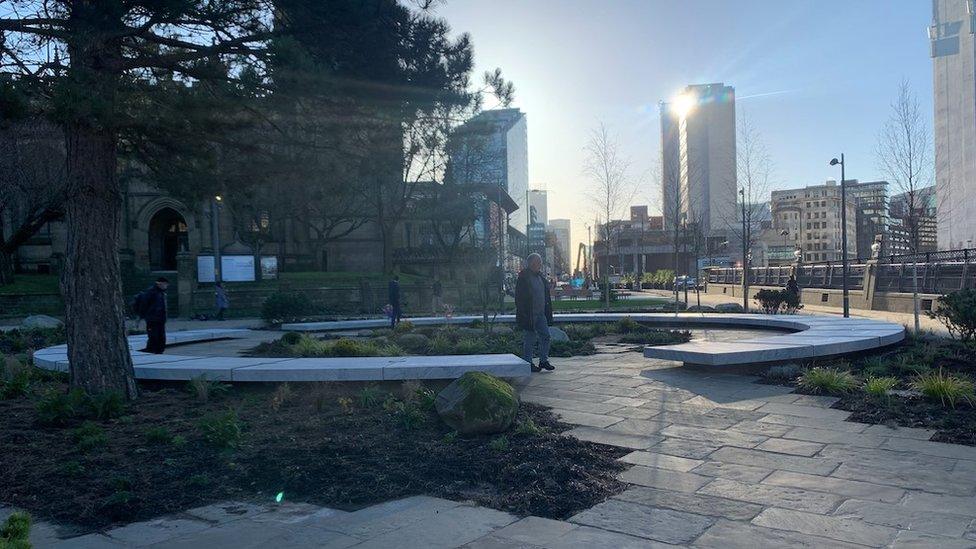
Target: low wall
[(18, 305), (895, 302)]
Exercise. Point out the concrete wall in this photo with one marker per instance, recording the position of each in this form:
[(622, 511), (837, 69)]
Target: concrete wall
[(896, 302)]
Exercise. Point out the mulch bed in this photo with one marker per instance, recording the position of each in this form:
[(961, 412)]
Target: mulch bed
[(308, 445), (956, 426)]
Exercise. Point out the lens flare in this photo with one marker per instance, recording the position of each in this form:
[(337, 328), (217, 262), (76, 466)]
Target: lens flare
[(279, 497)]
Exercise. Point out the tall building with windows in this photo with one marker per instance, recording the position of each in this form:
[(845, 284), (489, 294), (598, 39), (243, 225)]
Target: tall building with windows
[(871, 199), (953, 52), (698, 158), (901, 231), (561, 229), (538, 207), (811, 218)]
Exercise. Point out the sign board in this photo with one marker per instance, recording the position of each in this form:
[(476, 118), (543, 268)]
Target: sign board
[(235, 268)]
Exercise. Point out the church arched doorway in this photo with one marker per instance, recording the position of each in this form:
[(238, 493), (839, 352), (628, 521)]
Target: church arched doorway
[(167, 237)]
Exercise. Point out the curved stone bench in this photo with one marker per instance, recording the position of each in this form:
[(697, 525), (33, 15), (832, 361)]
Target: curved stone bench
[(812, 336), (175, 367)]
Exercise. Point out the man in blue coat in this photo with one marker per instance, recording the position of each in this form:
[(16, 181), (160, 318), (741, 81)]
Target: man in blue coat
[(394, 295), (150, 304)]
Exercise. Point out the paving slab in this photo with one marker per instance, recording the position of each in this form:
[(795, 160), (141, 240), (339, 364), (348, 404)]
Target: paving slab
[(904, 518), (139, 534), (694, 449), (826, 436), (816, 423), (843, 487), (770, 460), (838, 528), (727, 534), (714, 436), (661, 461), (603, 436), (793, 447), (698, 504), (664, 525), (941, 449), (760, 428), (777, 496), (586, 537), (907, 539), (812, 412), (535, 531), (732, 471), (447, 529), (639, 427), (957, 505), (663, 479), (582, 418)]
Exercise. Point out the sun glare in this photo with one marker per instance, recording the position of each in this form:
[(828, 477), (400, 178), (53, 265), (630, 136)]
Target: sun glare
[(683, 104)]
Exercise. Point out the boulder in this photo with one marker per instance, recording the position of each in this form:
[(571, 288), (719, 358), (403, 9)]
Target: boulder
[(40, 321), (729, 308), (557, 334), (477, 403), (502, 330), (413, 343), (701, 309)]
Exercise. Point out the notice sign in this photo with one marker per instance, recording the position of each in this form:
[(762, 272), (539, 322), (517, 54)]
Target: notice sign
[(234, 268)]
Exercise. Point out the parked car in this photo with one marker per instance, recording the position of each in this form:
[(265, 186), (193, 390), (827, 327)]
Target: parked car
[(685, 282)]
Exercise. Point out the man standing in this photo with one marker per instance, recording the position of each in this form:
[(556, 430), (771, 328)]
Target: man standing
[(221, 299), (533, 312), (150, 304), (437, 299), (394, 295)]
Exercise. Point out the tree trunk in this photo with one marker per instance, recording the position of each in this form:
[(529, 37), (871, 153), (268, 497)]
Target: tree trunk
[(387, 235), (91, 282)]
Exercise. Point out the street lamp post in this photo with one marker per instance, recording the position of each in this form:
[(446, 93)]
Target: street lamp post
[(843, 233), (745, 253), (215, 235)]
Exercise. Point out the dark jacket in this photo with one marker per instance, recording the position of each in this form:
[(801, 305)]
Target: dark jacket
[(150, 304), (523, 299), (394, 293)]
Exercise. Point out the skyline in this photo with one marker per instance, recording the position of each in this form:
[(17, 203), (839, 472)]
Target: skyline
[(802, 74)]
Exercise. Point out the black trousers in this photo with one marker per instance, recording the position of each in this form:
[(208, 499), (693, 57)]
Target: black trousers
[(156, 330)]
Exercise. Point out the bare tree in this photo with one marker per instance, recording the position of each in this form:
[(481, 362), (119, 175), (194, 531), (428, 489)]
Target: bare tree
[(32, 178), (612, 188), (905, 157), (750, 187), (681, 208)]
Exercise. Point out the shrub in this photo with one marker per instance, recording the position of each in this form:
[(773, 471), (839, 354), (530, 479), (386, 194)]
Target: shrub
[(879, 386), (414, 343), (791, 302), (89, 437), (281, 394), (426, 398), (957, 310), (440, 345), (15, 531), (286, 307), (158, 435), (370, 396), (291, 338), (627, 325), (198, 481), (770, 301), (410, 417), (310, 347), (876, 366), (528, 427), (470, 346), (831, 381), (204, 389), (15, 378), (657, 337), (223, 430), (948, 388), (107, 405), (499, 443), (403, 327), (58, 408)]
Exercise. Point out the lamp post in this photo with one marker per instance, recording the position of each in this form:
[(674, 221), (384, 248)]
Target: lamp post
[(843, 233), (745, 253), (215, 205)]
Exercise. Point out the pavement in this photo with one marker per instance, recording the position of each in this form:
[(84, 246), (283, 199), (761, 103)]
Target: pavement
[(715, 460)]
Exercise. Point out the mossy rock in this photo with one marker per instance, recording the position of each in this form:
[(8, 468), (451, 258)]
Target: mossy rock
[(478, 403), (729, 308)]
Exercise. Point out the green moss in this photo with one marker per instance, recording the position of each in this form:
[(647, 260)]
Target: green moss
[(485, 393)]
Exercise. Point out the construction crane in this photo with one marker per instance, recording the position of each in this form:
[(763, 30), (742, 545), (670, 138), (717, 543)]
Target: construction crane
[(581, 256)]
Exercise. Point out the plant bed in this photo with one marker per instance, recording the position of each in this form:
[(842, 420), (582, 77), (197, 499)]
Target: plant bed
[(925, 383), (407, 339), (339, 445)]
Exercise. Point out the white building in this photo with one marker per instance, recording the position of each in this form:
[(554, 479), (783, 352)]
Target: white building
[(538, 207), (698, 158), (953, 59), (811, 220)]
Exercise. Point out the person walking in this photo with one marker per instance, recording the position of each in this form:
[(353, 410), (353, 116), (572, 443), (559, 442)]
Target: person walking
[(792, 286), (533, 312), (437, 296), (150, 305), (394, 295), (221, 300)]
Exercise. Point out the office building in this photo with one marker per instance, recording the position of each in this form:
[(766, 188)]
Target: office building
[(538, 207), (561, 230), (900, 228), (871, 200), (953, 53), (698, 159), (811, 220)]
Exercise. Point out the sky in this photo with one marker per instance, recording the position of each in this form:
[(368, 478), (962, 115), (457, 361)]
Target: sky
[(815, 77)]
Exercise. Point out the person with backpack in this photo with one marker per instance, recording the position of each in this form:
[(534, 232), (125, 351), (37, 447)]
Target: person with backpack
[(222, 301), (150, 305)]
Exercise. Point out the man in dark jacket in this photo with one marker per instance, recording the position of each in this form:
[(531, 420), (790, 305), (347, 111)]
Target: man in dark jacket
[(533, 312), (394, 295), (150, 304)]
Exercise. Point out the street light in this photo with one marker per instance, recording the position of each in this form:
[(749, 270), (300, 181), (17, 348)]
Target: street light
[(745, 245), (215, 206), (843, 233)]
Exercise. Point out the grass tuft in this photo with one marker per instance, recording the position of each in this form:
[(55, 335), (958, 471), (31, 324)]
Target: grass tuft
[(829, 381), (947, 388)]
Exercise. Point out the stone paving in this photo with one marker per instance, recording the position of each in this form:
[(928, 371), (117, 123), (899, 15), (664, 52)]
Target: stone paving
[(717, 461)]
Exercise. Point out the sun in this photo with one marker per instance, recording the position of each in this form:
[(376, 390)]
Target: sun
[(683, 104)]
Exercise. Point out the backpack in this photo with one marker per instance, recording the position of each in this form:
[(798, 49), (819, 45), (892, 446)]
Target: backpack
[(138, 304)]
